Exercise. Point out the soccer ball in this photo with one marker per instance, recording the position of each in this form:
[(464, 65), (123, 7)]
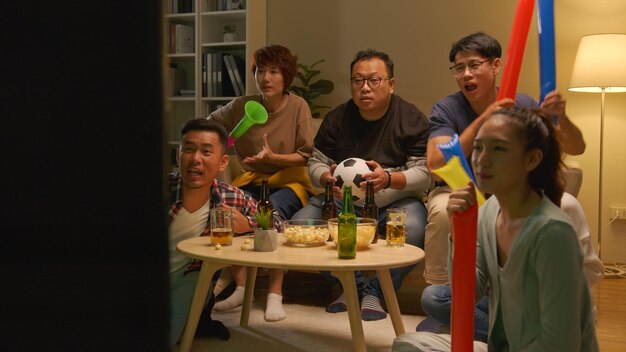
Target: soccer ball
[(350, 173)]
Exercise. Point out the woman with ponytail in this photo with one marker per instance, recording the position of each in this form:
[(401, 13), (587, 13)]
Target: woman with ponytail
[(527, 251)]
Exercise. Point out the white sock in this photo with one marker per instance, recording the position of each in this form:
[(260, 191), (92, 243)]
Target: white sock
[(274, 309), (235, 300)]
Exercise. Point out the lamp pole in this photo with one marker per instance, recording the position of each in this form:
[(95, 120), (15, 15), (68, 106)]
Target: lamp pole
[(600, 174)]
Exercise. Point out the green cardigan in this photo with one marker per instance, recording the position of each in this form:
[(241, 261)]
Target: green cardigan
[(539, 300)]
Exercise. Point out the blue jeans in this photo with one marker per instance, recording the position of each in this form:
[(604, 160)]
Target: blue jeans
[(415, 225), (437, 304), (284, 200), (181, 293)]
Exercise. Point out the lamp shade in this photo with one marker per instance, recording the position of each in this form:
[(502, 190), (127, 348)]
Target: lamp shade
[(600, 64)]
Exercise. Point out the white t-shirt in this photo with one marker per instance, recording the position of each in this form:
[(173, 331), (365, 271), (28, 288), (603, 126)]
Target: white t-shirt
[(185, 225), (594, 269)]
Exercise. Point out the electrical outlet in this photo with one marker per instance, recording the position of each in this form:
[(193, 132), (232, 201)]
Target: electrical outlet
[(620, 211)]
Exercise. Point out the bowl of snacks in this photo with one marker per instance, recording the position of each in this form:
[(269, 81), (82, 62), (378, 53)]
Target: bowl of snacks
[(306, 232), (365, 231)]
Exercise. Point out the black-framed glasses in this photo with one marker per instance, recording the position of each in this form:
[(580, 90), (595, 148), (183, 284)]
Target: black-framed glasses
[(474, 66), (372, 82)]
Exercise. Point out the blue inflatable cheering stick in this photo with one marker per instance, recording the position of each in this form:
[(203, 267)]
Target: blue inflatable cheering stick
[(452, 148), (545, 27)]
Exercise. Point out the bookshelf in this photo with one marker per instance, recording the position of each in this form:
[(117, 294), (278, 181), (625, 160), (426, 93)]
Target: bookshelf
[(192, 73)]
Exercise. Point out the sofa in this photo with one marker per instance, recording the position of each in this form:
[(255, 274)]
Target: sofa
[(413, 284)]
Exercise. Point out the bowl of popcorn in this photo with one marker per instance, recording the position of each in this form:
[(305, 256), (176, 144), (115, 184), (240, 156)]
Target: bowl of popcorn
[(306, 232), (365, 231)]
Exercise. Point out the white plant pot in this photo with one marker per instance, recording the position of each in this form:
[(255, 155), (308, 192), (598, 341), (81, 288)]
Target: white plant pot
[(230, 37), (265, 240)]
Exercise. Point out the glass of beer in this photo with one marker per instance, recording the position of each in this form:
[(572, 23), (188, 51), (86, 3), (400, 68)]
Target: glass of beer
[(222, 227), (396, 227)]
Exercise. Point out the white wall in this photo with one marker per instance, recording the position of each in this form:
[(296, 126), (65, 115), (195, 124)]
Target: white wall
[(418, 35)]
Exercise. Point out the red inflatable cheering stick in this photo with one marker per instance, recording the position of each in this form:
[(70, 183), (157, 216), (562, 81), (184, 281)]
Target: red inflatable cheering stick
[(515, 50), (463, 279)]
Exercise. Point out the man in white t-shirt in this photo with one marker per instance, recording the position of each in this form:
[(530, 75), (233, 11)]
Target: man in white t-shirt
[(201, 156)]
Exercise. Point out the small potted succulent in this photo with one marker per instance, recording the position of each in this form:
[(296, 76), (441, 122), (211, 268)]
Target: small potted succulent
[(229, 33), (265, 236)]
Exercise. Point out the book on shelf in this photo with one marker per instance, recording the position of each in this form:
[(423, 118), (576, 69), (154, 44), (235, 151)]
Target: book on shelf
[(239, 71), (221, 73), (219, 63), (181, 6), (214, 75), (187, 93), (187, 6), (181, 39), (225, 5), (176, 81), (208, 82), (204, 76), (228, 89), (231, 75)]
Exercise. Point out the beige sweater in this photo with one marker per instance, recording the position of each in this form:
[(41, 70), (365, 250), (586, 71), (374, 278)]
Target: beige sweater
[(288, 130)]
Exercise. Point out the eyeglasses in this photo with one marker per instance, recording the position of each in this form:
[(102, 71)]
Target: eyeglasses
[(474, 67), (373, 82)]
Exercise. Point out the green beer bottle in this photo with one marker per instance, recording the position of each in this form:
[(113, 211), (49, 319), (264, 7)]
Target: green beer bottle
[(346, 242)]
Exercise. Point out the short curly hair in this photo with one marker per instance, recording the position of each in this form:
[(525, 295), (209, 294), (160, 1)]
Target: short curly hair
[(279, 56)]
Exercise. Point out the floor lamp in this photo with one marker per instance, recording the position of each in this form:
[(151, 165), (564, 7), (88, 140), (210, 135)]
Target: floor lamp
[(600, 67)]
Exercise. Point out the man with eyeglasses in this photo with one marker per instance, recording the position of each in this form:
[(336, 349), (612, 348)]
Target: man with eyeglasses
[(475, 64), (391, 135)]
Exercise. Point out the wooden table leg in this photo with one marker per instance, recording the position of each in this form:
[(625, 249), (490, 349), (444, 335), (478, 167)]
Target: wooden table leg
[(247, 296), (391, 300), (199, 299), (354, 312)]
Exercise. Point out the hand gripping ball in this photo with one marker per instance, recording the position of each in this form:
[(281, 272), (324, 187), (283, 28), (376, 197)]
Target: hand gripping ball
[(350, 173)]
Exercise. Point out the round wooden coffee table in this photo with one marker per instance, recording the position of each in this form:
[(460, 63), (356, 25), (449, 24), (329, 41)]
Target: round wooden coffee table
[(378, 257)]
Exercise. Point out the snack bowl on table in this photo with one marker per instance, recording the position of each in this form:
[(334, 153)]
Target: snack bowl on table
[(306, 232), (365, 231)]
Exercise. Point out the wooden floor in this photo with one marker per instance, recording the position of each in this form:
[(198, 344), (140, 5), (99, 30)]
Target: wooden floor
[(610, 299), (312, 289)]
